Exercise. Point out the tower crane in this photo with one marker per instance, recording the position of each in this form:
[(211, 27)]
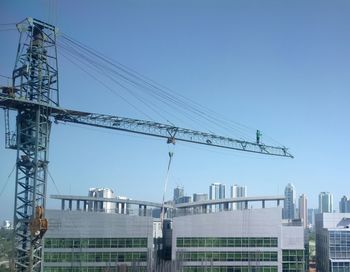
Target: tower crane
[(34, 96)]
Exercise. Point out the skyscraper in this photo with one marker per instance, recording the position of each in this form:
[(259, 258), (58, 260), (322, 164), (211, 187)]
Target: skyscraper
[(217, 191), (344, 205), (289, 202), (325, 202), (238, 191), (303, 212), (178, 192)]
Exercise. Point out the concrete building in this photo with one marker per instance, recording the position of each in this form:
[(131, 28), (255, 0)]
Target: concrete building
[(108, 207), (325, 202), (238, 191), (178, 192), (303, 210), (289, 202), (344, 205), (333, 242), (240, 240), (85, 241), (217, 191)]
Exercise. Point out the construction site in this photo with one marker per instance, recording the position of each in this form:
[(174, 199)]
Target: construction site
[(184, 237)]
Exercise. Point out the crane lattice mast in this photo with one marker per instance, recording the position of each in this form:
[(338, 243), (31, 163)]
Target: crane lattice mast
[(34, 96)]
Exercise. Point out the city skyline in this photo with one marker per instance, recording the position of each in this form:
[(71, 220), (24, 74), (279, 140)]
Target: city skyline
[(273, 72)]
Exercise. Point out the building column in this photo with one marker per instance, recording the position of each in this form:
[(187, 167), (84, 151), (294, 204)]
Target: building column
[(278, 202), (246, 204), (84, 203), (70, 204), (62, 204), (263, 204), (78, 205)]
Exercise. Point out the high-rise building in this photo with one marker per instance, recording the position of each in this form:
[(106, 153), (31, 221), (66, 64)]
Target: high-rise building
[(325, 202), (344, 205), (289, 202), (311, 217), (217, 191), (238, 191), (303, 210), (100, 206), (178, 192), (332, 242)]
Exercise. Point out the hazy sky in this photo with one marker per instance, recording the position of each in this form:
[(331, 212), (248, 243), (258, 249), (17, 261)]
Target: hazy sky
[(278, 66)]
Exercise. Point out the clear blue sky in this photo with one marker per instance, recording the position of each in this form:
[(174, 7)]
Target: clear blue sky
[(279, 66)]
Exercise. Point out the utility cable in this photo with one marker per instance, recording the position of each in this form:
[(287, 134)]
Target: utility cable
[(7, 180)]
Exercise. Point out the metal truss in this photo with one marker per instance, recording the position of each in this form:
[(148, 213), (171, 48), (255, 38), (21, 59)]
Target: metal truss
[(35, 79), (171, 133)]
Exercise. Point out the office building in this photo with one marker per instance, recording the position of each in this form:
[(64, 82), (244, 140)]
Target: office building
[(240, 240), (238, 191), (303, 210), (100, 206), (333, 242), (289, 202), (178, 192), (217, 191), (344, 205), (98, 241), (325, 202)]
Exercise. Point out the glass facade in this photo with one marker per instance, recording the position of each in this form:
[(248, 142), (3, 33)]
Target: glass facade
[(227, 256), (95, 243), (293, 260), (94, 254), (91, 269), (340, 266), (230, 269), (92, 257), (339, 244), (188, 242)]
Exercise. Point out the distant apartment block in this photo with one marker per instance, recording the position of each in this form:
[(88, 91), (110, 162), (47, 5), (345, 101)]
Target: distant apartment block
[(344, 205), (325, 202), (217, 191), (289, 202), (238, 191), (303, 211), (178, 192)]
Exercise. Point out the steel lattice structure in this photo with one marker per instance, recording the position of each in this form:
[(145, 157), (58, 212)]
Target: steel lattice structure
[(35, 79), (34, 95)]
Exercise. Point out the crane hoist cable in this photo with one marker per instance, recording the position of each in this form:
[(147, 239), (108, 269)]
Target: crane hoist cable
[(171, 154)]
